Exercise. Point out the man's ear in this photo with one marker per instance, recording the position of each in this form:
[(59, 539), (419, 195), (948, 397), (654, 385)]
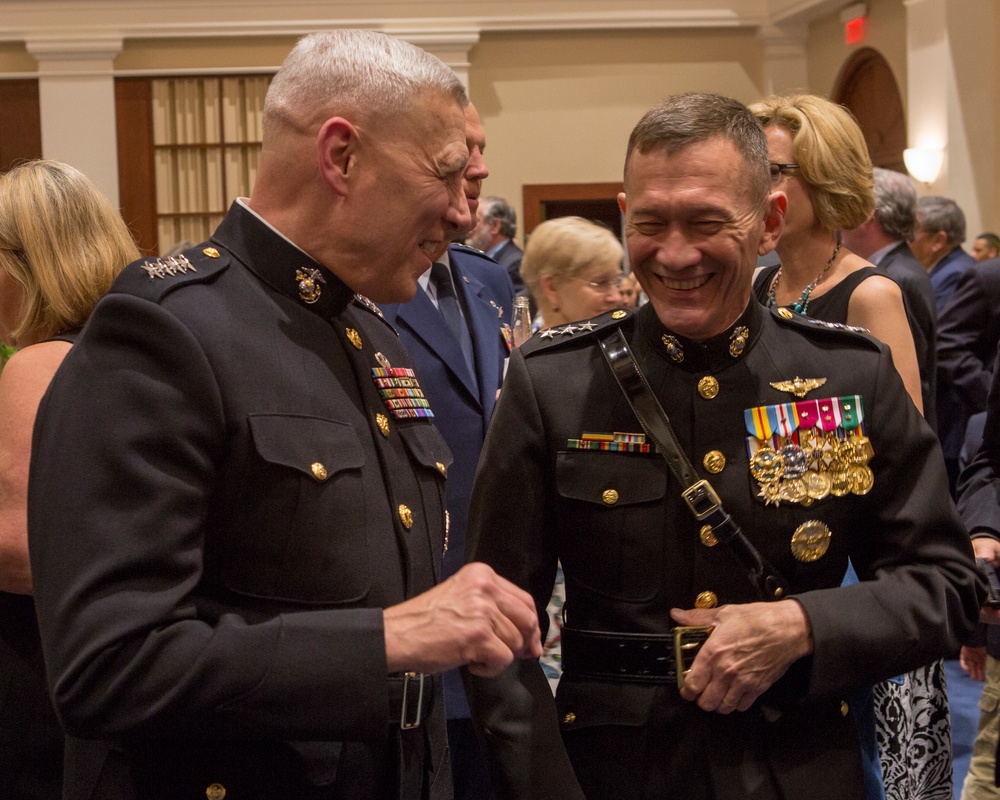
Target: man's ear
[(774, 222), (621, 201), (336, 148)]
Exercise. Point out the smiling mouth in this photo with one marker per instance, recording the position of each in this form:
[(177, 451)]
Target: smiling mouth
[(686, 286)]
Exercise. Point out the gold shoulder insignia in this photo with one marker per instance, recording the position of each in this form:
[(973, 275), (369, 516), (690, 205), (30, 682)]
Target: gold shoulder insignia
[(799, 387)]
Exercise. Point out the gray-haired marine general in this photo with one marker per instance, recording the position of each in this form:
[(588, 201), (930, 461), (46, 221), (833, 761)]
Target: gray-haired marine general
[(237, 500), (797, 448)]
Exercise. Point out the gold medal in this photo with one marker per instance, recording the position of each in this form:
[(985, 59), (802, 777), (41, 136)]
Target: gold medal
[(862, 479), (841, 484), (770, 493), (818, 484), (767, 466), (863, 450), (794, 490), (810, 541)]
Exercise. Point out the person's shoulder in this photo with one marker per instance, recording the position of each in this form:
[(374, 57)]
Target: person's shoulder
[(154, 278), (473, 263), (576, 334), (36, 363), (817, 330)]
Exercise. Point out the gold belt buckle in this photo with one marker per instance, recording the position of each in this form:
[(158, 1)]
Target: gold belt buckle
[(406, 722), (687, 642)]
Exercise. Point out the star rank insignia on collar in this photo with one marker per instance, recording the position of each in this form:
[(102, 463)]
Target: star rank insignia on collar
[(799, 387), (369, 305), (162, 267)]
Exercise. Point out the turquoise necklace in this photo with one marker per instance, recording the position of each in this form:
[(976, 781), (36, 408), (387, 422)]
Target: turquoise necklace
[(800, 305)]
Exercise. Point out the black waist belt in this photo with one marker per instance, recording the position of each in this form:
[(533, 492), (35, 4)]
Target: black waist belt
[(411, 695), (652, 658)]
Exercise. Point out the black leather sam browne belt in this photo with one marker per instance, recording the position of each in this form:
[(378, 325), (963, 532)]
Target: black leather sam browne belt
[(605, 655)]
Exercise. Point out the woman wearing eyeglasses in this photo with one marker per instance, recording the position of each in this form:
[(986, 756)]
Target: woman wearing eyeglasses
[(819, 160), (573, 269)]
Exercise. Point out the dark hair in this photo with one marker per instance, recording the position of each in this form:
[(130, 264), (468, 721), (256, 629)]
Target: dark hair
[(693, 117)]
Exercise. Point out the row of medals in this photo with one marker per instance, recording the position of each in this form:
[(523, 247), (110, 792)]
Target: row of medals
[(820, 465)]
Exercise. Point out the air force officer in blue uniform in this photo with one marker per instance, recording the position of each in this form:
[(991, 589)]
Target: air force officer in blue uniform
[(460, 372)]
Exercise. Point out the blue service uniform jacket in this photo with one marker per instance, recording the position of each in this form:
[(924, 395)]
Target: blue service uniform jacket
[(631, 550), (221, 505), (462, 408)]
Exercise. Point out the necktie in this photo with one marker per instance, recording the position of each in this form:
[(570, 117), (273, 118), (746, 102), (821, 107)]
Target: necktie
[(452, 313)]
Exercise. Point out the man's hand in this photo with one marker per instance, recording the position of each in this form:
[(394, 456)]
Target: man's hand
[(973, 661), (475, 617), (751, 647), (987, 547)]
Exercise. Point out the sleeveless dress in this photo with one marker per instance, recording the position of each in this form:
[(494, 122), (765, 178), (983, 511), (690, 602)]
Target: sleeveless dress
[(912, 721), (31, 739)]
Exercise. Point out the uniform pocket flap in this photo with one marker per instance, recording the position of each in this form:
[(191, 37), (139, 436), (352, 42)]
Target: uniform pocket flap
[(311, 445), (426, 446), (610, 479)]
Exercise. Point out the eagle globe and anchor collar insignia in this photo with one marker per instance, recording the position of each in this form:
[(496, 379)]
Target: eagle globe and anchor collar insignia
[(808, 450)]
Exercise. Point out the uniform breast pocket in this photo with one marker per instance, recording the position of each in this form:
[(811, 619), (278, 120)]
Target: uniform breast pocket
[(303, 534), (611, 521)]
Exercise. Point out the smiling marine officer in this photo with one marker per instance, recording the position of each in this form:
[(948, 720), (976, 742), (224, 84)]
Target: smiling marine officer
[(792, 446)]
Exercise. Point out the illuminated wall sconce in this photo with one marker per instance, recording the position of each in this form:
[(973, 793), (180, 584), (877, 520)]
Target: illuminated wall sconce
[(924, 163)]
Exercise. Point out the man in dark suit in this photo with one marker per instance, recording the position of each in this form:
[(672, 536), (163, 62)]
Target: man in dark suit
[(937, 244), (758, 399), (968, 334), (463, 401), (494, 232), (882, 240), (236, 510), (979, 504)]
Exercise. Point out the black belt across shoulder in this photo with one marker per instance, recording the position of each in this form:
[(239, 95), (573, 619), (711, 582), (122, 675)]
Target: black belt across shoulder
[(698, 493)]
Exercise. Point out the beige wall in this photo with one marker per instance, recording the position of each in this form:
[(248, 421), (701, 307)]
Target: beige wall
[(886, 32), (260, 52), (558, 107)]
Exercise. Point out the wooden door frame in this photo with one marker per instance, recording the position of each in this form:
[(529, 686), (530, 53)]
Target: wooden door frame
[(535, 196)]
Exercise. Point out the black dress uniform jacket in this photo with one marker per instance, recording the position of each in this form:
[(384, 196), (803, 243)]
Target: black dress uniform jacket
[(631, 551), (221, 505)]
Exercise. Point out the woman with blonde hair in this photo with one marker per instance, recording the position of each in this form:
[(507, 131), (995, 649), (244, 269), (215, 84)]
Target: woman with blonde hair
[(61, 245), (819, 160), (573, 269)]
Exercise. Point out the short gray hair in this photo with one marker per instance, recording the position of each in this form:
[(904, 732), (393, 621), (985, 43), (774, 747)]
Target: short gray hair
[(939, 213), (347, 70), (497, 208), (895, 203), (693, 117)]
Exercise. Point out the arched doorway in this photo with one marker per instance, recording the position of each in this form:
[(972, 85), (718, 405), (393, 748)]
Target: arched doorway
[(868, 88)]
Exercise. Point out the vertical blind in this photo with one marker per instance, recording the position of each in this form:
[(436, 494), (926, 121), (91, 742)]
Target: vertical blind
[(206, 142)]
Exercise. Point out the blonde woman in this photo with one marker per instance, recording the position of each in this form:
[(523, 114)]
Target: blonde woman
[(820, 161), (61, 245), (573, 269)]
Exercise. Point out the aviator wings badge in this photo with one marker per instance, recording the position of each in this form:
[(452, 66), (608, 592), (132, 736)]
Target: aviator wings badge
[(799, 387)]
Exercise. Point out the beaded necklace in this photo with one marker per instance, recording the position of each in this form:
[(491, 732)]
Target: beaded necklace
[(800, 305)]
